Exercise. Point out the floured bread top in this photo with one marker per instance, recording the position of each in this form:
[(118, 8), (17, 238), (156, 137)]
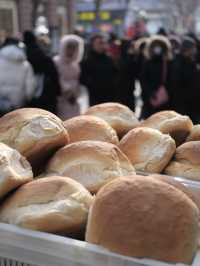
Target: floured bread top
[(119, 116), (24, 128), (92, 163), (13, 164), (88, 127), (148, 149), (170, 122), (37, 203), (194, 134)]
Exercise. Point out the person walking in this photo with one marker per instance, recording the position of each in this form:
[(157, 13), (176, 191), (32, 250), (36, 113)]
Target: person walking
[(184, 81), (154, 80), (99, 73), (47, 87), (127, 77), (67, 62), (17, 83)]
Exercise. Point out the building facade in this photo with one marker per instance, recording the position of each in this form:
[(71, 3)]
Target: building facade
[(155, 12), (9, 22), (110, 17), (20, 15)]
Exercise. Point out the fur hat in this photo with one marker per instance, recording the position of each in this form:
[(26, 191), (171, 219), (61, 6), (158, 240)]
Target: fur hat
[(140, 43), (161, 40)]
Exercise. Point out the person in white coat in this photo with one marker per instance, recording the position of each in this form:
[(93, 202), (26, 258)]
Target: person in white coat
[(67, 62), (17, 82)]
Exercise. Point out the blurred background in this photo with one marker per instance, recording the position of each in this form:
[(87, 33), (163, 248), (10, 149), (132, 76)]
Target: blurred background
[(64, 55), (124, 17)]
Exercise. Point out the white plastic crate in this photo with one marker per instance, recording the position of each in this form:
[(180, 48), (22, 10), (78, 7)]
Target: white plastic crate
[(20, 247)]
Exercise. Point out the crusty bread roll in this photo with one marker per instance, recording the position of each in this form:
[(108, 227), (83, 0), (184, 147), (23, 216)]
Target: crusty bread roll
[(35, 133), (87, 127), (91, 163), (170, 122), (55, 205), (194, 196), (148, 149), (186, 161), (119, 116), (144, 218), (194, 134), (15, 170), (171, 181)]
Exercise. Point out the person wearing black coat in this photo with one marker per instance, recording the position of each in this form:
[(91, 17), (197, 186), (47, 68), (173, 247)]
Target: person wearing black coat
[(126, 78), (139, 51), (98, 73), (48, 87), (185, 81), (154, 78)]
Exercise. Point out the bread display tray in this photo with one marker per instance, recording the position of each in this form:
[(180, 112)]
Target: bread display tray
[(20, 247)]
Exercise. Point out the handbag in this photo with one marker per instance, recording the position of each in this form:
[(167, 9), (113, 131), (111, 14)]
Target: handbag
[(161, 96)]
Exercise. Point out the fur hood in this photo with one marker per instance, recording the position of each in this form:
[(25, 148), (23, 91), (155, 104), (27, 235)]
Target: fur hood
[(140, 42), (77, 57), (163, 41)]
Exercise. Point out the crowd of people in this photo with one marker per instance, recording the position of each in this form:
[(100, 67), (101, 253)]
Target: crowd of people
[(166, 67)]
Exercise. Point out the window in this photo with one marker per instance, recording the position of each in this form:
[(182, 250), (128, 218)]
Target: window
[(6, 20)]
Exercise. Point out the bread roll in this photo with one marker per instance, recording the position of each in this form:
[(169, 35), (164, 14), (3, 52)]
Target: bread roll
[(119, 116), (91, 163), (87, 127), (171, 181), (170, 122), (194, 196), (144, 218), (54, 205), (194, 134), (15, 170), (186, 162), (35, 133), (148, 149)]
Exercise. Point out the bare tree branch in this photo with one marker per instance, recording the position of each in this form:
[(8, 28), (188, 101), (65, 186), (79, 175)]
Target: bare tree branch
[(183, 10)]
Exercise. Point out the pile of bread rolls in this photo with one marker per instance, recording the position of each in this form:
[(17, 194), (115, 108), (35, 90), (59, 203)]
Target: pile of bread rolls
[(65, 177)]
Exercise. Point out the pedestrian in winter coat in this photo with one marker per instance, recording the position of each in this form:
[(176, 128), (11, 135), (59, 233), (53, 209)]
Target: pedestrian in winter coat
[(185, 81), (176, 45), (126, 78), (47, 87), (67, 62), (17, 83), (99, 73), (139, 51), (154, 81)]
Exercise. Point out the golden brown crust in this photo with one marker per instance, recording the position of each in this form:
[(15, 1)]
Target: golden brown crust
[(170, 122), (189, 152), (14, 170), (186, 161), (53, 204), (171, 181), (87, 127), (119, 116), (148, 149), (92, 163), (145, 218), (194, 134), (35, 133), (184, 170)]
